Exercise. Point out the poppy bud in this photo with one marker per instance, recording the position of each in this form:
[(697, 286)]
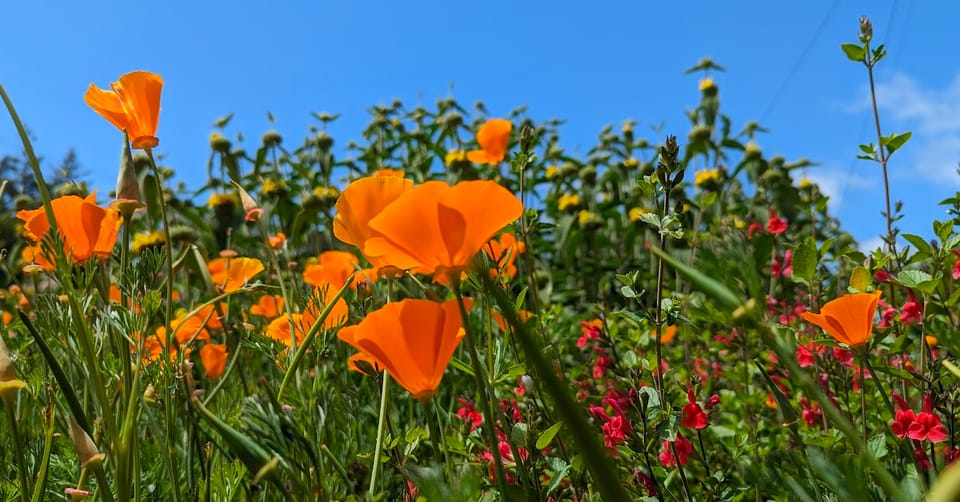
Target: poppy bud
[(252, 212), (86, 449), (527, 137), (128, 184)]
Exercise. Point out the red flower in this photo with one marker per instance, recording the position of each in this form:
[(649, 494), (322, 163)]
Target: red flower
[(912, 311), (811, 412), (752, 229), (693, 415), (776, 225), (684, 448), (956, 265), (469, 414), (927, 425)]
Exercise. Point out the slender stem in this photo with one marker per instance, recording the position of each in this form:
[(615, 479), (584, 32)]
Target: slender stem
[(891, 237), (659, 299), (863, 398), (18, 449), (703, 453), (381, 428), (438, 439), (489, 426), (41, 478)]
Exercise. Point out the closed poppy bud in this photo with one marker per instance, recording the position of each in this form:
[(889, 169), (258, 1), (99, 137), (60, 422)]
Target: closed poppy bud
[(252, 211), (128, 184), (86, 449)]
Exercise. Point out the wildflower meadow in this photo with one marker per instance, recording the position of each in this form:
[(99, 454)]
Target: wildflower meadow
[(458, 308)]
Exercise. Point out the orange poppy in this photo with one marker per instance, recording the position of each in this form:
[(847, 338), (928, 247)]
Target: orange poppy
[(231, 274), (435, 228), (504, 253), (214, 359), (412, 339), (668, 333), (87, 229), (502, 323), (388, 172), (268, 306), (279, 328), (493, 137), (848, 319), (359, 203), (334, 269), (276, 241), (133, 106)]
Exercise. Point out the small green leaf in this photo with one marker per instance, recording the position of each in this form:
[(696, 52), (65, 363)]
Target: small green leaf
[(547, 436), (805, 260), (918, 279), (920, 243), (860, 279), (894, 141), (854, 52), (878, 446)]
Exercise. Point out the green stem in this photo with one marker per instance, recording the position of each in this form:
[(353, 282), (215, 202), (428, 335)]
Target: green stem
[(17, 448), (381, 429), (439, 441), (49, 426)]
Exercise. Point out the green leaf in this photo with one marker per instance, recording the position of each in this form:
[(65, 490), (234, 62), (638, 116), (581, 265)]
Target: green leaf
[(805, 260), (854, 52), (547, 436), (894, 141), (918, 279), (860, 279), (878, 446)]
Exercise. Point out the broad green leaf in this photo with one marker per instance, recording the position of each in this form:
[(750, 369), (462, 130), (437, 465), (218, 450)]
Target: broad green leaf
[(894, 141), (860, 279), (918, 279), (854, 52), (547, 436), (920, 243), (805, 260)]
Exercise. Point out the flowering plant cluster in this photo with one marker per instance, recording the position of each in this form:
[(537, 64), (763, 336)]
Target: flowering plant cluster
[(459, 307)]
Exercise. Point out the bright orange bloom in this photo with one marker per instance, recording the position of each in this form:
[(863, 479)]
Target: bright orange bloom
[(279, 328), (412, 339), (334, 268), (214, 359), (435, 228), (7, 318), (87, 229), (359, 203), (502, 323), (231, 274), (268, 306), (493, 137), (33, 256), (276, 241), (848, 319), (388, 172), (504, 253), (133, 106), (668, 333)]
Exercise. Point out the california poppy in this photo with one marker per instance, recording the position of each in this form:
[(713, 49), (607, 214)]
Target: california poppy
[(231, 274), (133, 106), (268, 306), (493, 137), (435, 228), (214, 359), (504, 253), (279, 328), (848, 319), (87, 229), (334, 268), (359, 203), (412, 339)]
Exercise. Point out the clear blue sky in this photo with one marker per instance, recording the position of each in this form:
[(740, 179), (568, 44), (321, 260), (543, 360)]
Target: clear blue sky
[(590, 63)]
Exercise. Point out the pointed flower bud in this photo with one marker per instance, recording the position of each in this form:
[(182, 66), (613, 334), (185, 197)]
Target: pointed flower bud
[(128, 184), (86, 449), (251, 210)]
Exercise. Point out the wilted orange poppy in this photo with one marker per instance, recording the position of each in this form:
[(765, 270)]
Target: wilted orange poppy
[(435, 228), (133, 106), (412, 339), (279, 328), (848, 319), (231, 274), (214, 359), (362, 200), (493, 137), (268, 306), (504, 253), (87, 229)]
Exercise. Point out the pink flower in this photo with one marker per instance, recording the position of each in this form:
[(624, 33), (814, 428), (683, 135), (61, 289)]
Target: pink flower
[(912, 311), (811, 413), (956, 265), (776, 225), (684, 448), (469, 414)]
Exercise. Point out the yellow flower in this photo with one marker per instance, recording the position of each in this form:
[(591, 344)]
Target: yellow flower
[(631, 163), (552, 171), (142, 241), (585, 217), (326, 192), (805, 182), (751, 147), (569, 200), (221, 199), (737, 222), (635, 214), (707, 177), (707, 85), (627, 127), (274, 187), (454, 157)]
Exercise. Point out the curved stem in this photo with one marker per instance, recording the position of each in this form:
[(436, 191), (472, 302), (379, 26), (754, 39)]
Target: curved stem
[(381, 428)]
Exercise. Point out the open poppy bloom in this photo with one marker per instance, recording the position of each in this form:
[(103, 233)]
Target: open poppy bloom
[(334, 268), (133, 106), (87, 229), (279, 328), (504, 253), (231, 274), (848, 319), (412, 339), (493, 137), (214, 359), (435, 228), (268, 306), (359, 203)]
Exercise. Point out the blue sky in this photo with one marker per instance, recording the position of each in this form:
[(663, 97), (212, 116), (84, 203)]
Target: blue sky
[(589, 63)]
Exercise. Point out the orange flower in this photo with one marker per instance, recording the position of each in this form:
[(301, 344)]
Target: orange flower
[(502, 323), (412, 339), (359, 203), (492, 137), (133, 106), (388, 172), (437, 229), (214, 359), (279, 328), (268, 306), (668, 333), (87, 229), (848, 319), (334, 268), (276, 241), (504, 253), (231, 274)]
